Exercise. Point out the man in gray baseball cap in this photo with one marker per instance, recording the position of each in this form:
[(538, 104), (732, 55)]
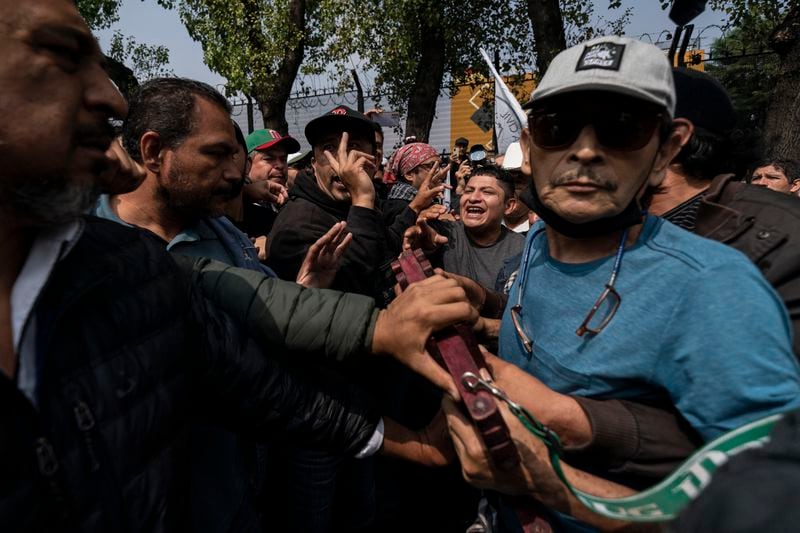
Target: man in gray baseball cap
[(614, 304)]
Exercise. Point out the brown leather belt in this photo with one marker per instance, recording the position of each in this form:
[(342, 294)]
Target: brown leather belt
[(456, 349)]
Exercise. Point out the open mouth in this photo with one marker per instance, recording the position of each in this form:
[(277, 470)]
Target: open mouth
[(474, 211)]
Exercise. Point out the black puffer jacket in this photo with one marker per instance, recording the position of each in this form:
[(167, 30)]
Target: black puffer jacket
[(129, 355)]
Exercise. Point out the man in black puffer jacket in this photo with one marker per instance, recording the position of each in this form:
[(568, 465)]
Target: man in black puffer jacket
[(120, 380), (340, 189), (108, 351)]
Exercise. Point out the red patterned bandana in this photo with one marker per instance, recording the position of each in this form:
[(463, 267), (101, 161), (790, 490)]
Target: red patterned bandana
[(406, 159)]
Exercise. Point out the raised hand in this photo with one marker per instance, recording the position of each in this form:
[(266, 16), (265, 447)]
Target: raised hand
[(355, 169), (430, 189), (266, 191), (324, 257), (422, 236)]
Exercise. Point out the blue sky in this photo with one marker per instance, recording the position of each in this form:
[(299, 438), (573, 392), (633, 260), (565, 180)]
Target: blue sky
[(151, 24)]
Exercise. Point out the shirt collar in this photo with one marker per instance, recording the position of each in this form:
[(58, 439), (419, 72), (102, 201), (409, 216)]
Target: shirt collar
[(50, 246)]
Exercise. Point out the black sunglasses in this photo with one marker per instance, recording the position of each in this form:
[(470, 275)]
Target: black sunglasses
[(617, 129)]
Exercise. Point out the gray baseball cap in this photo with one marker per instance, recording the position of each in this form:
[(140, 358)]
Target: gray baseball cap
[(613, 64)]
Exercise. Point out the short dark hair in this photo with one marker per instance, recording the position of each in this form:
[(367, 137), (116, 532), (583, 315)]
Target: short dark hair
[(707, 155), (790, 167), (166, 106), (503, 179)]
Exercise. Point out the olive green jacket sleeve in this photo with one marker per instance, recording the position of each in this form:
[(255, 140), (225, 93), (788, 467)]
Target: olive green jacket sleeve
[(284, 317)]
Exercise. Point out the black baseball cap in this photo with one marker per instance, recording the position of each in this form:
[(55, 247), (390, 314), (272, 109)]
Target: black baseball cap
[(703, 100), (340, 119), (461, 141)]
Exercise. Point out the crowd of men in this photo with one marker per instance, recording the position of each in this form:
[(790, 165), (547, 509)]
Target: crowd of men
[(201, 331)]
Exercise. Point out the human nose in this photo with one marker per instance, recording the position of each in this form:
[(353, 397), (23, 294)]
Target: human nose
[(232, 170), (100, 94), (586, 148)]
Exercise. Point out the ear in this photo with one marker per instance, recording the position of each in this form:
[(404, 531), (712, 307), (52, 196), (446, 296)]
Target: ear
[(795, 186), (524, 143), (682, 130), (151, 149), (511, 204)]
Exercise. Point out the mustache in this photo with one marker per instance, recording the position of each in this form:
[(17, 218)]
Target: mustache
[(99, 134), (233, 191), (586, 175)]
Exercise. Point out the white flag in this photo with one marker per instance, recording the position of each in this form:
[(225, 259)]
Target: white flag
[(509, 117)]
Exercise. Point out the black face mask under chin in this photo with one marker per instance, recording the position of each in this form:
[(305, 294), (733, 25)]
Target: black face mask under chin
[(630, 216)]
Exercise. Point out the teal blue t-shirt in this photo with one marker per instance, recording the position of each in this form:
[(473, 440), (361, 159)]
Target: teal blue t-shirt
[(697, 323), (215, 238)]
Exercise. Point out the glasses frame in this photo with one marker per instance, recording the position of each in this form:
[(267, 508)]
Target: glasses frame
[(583, 328)]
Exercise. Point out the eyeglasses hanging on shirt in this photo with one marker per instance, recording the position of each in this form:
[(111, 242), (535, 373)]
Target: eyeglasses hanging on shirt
[(599, 316)]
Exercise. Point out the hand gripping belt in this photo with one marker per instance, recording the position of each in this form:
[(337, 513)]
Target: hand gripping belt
[(456, 349)]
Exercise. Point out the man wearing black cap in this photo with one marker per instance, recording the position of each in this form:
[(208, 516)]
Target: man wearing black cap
[(701, 192), (340, 189)]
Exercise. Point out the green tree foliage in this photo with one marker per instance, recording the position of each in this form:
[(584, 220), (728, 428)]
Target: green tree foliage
[(99, 14), (750, 14), (411, 44), (102, 14), (435, 43), (257, 45), (745, 66), (243, 40), (742, 59), (146, 61), (415, 47)]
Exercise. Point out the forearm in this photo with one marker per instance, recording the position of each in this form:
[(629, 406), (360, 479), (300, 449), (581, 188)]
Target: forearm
[(241, 387), (369, 238), (283, 316), (415, 446), (365, 199), (634, 439), (394, 231), (620, 437), (567, 503), (559, 412)]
